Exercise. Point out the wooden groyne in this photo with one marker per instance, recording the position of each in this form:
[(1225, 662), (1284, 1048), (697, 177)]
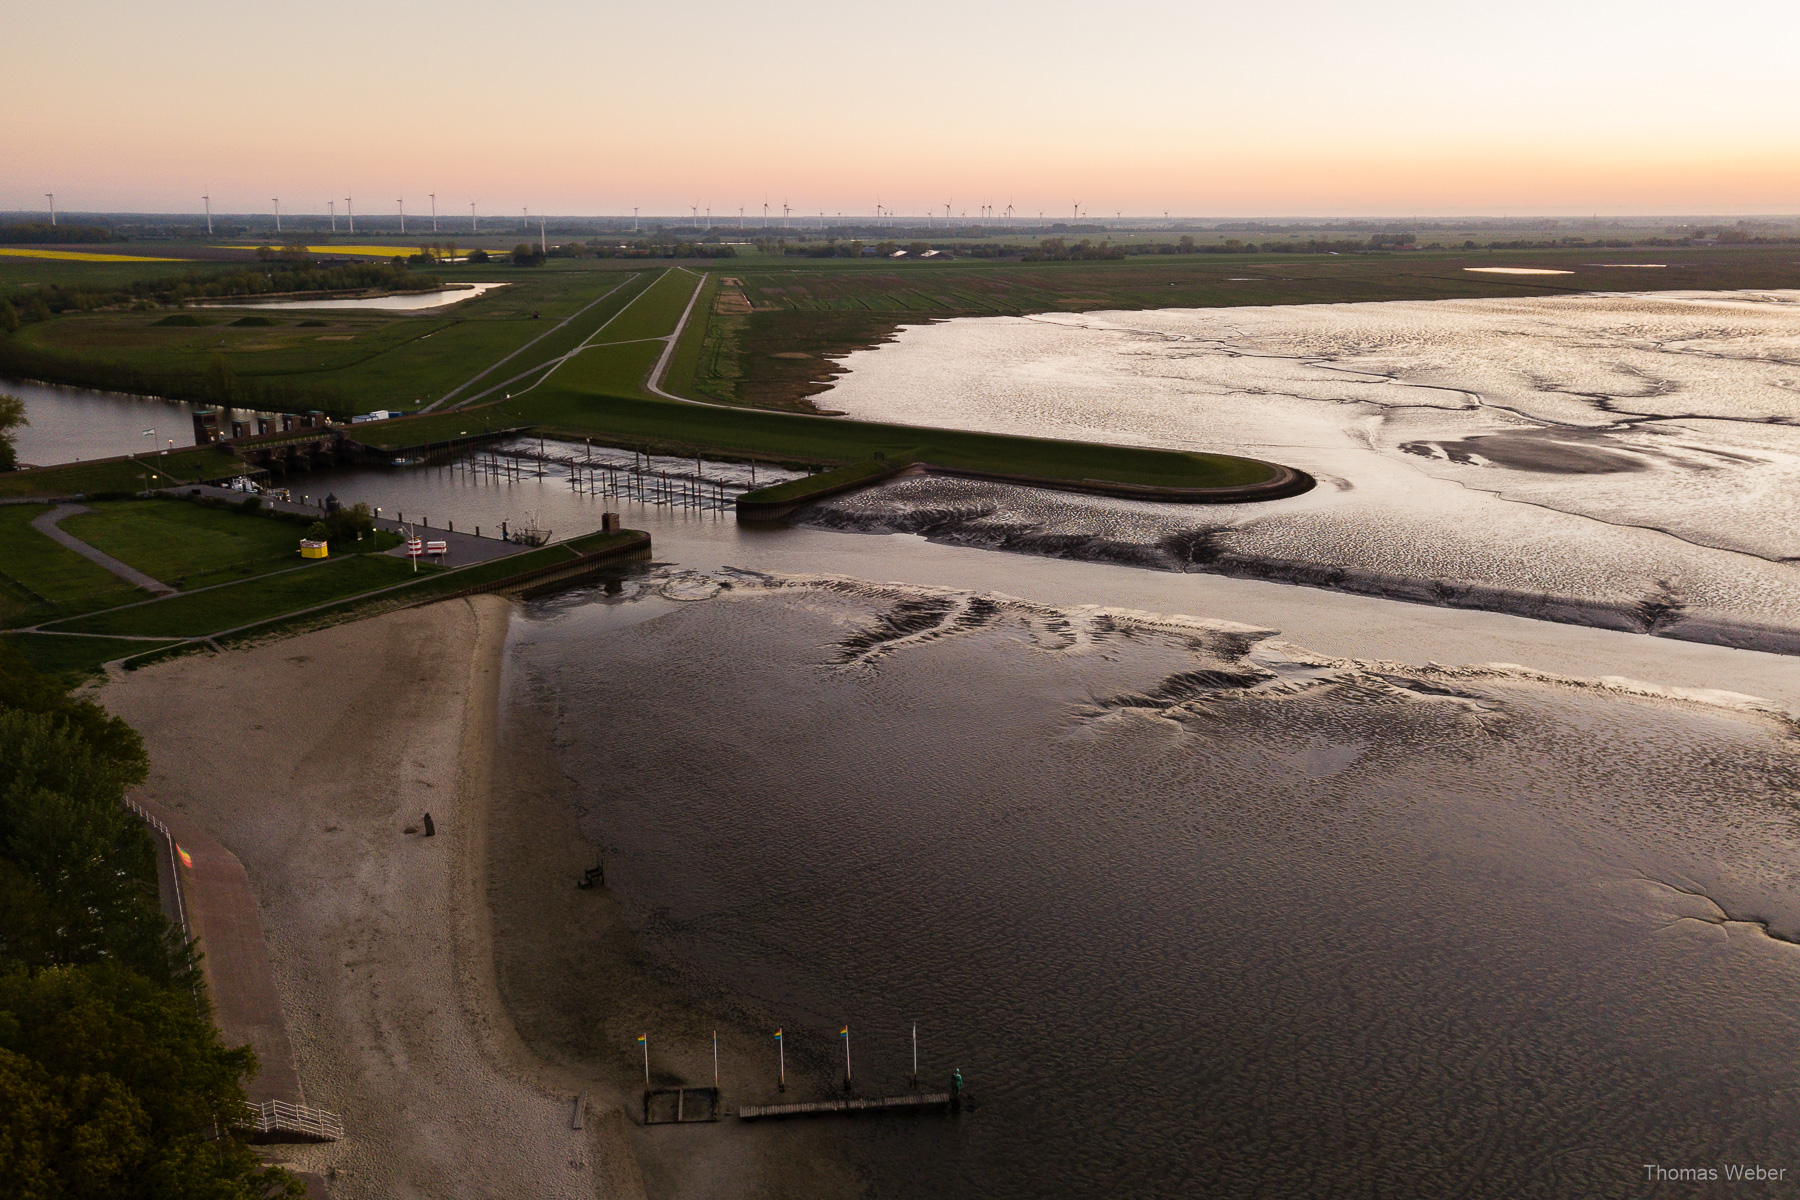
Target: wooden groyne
[(809, 1108)]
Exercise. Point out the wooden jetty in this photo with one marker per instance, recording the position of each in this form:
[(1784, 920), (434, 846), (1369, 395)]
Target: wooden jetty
[(913, 1102)]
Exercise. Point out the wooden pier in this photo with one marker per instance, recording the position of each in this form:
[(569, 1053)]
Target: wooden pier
[(914, 1102)]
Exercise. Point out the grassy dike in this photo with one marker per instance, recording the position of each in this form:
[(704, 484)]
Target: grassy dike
[(122, 476)]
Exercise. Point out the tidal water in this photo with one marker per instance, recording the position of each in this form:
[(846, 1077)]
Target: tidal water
[(1211, 884), (1636, 452), (1195, 909)]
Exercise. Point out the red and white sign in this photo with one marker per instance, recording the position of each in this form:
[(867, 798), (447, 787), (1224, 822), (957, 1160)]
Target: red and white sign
[(414, 547)]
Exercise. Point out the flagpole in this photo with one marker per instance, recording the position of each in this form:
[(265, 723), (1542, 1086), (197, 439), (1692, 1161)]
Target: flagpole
[(781, 1052), (715, 1060), (915, 1079), (846, 1058), (645, 1043)]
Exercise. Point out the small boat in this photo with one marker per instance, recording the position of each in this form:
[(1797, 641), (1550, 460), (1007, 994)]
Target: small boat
[(531, 534), (406, 462)]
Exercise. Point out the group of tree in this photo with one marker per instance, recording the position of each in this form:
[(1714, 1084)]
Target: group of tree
[(661, 246), (278, 274), (216, 383), (65, 234), (113, 1082)]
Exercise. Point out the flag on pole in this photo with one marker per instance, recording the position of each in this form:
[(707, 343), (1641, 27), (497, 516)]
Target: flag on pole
[(778, 1035), (844, 1032), (187, 859), (643, 1038)]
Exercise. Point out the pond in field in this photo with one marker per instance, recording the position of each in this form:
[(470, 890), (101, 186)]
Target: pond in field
[(409, 302)]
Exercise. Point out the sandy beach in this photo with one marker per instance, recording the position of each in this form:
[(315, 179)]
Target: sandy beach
[(314, 760), (450, 997)]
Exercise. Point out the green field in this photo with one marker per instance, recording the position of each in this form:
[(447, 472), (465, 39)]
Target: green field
[(41, 578), (71, 657), (196, 614), (122, 476), (187, 546)]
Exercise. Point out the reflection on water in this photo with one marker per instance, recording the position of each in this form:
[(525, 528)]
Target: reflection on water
[(1195, 910), (75, 423)]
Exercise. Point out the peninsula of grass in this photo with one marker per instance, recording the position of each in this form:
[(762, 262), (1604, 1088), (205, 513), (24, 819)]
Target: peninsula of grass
[(228, 606), (122, 476), (563, 408)]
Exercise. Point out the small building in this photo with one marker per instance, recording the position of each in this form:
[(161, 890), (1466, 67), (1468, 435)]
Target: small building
[(380, 414), (312, 549)]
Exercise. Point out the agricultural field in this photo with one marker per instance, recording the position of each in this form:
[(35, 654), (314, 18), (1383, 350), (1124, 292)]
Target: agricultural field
[(346, 361)]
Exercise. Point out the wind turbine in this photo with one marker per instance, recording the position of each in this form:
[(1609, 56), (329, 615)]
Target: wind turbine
[(207, 200), (276, 201), (634, 213), (350, 212), (434, 212), (473, 227), (402, 203), (1077, 215), (946, 214), (330, 206), (51, 197), (694, 209), (784, 214), (765, 223)]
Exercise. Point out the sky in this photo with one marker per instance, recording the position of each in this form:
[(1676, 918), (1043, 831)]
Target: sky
[(1286, 107)]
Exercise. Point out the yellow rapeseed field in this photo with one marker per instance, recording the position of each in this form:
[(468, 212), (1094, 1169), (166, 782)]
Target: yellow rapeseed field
[(83, 256)]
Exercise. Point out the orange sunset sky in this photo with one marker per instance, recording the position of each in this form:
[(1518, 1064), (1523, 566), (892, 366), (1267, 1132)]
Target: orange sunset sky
[(1288, 108)]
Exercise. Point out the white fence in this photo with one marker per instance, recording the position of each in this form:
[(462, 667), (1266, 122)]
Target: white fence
[(278, 1117)]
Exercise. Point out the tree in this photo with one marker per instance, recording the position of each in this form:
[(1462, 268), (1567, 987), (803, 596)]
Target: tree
[(12, 415), (9, 317), (113, 1081)]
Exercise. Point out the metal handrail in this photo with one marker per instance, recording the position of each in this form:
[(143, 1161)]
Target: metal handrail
[(278, 1116), (168, 840)]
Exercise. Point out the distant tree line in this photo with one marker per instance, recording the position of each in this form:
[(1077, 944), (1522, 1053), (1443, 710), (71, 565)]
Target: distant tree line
[(112, 1078), (216, 384), (658, 245), (53, 235), (277, 275)]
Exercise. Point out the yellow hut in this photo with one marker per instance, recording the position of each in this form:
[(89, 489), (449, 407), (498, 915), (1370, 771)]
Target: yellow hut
[(312, 549)]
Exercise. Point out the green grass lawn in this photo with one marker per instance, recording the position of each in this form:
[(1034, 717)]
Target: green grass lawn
[(45, 579), (655, 313), (72, 657), (196, 614), (185, 545), (122, 475)]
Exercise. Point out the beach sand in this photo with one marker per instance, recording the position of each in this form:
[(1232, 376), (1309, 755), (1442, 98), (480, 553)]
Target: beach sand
[(450, 997), (314, 760)]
